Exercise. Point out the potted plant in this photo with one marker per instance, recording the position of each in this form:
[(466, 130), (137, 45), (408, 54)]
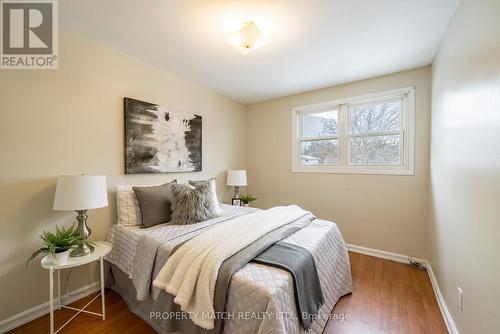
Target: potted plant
[(247, 199), (58, 244)]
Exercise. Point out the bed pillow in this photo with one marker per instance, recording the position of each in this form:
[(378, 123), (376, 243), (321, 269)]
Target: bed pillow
[(213, 189), (155, 203), (128, 209), (193, 204)]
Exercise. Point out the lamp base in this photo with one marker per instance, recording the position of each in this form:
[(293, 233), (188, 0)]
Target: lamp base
[(84, 231), (236, 192), (82, 250), (236, 199)]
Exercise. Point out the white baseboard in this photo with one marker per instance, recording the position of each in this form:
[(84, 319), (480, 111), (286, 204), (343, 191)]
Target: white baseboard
[(452, 328), (382, 254), (448, 319), (43, 309)]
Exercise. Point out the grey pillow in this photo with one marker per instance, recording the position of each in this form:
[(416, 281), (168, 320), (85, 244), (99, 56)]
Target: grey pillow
[(155, 203), (193, 204)]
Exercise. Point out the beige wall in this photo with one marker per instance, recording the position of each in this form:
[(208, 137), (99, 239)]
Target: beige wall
[(70, 121), (465, 166), (386, 212)]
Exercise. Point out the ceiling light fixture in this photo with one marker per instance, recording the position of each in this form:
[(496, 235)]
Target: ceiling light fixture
[(247, 39)]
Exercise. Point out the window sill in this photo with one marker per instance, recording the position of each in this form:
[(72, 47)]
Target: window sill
[(371, 170)]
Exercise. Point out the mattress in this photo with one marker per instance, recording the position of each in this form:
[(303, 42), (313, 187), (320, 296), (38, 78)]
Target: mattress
[(261, 297)]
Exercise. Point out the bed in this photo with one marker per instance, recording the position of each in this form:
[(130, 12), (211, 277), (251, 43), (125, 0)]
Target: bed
[(139, 254)]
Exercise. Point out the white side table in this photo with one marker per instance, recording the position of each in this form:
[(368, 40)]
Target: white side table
[(101, 249)]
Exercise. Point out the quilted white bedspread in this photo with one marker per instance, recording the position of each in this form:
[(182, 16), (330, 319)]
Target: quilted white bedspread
[(255, 289)]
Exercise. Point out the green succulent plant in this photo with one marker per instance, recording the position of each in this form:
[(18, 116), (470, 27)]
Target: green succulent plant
[(247, 198), (61, 241)]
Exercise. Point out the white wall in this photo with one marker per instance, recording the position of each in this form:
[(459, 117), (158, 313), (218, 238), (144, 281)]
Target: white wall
[(387, 212), (465, 166), (70, 121)]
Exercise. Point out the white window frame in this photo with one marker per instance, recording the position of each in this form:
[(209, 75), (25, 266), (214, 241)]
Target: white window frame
[(407, 133)]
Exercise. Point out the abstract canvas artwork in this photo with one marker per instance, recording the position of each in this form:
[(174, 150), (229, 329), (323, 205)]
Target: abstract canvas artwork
[(158, 140)]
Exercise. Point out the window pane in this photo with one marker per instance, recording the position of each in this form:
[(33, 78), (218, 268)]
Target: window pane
[(319, 152), (376, 150), (320, 124), (375, 117)]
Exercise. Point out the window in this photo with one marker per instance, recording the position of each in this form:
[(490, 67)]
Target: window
[(370, 134), (319, 142)]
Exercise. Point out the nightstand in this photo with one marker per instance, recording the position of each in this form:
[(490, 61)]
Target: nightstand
[(101, 249)]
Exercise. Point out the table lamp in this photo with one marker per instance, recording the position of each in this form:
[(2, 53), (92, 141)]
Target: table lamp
[(237, 179), (80, 193)]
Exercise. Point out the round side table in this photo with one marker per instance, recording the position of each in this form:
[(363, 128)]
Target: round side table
[(101, 249)]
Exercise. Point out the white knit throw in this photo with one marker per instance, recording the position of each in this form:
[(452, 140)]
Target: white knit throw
[(190, 273)]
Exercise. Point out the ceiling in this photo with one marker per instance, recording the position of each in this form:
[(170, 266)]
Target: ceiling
[(312, 43)]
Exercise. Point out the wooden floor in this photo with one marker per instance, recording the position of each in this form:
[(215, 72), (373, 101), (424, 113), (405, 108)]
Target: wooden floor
[(388, 297)]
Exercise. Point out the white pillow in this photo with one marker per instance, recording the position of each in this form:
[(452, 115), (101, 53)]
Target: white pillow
[(213, 188), (127, 205)]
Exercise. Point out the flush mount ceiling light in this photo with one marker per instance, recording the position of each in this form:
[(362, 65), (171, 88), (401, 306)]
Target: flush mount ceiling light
[(247, 39)]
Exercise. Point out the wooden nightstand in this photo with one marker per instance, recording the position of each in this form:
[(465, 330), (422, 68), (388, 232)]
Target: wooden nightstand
[(101, 249)]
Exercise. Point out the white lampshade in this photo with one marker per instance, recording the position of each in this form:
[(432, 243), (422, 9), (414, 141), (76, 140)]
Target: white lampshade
[(236, 178), (80, 192)]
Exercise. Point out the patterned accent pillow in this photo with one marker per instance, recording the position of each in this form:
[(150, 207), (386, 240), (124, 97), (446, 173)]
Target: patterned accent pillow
[(193, 204), (128, 209)]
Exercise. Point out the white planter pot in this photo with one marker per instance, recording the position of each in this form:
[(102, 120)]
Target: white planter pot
[(246, 205), (61, 258)]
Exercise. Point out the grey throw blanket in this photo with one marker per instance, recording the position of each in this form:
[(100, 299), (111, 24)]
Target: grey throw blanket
[(300, 263), (228, 268)]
